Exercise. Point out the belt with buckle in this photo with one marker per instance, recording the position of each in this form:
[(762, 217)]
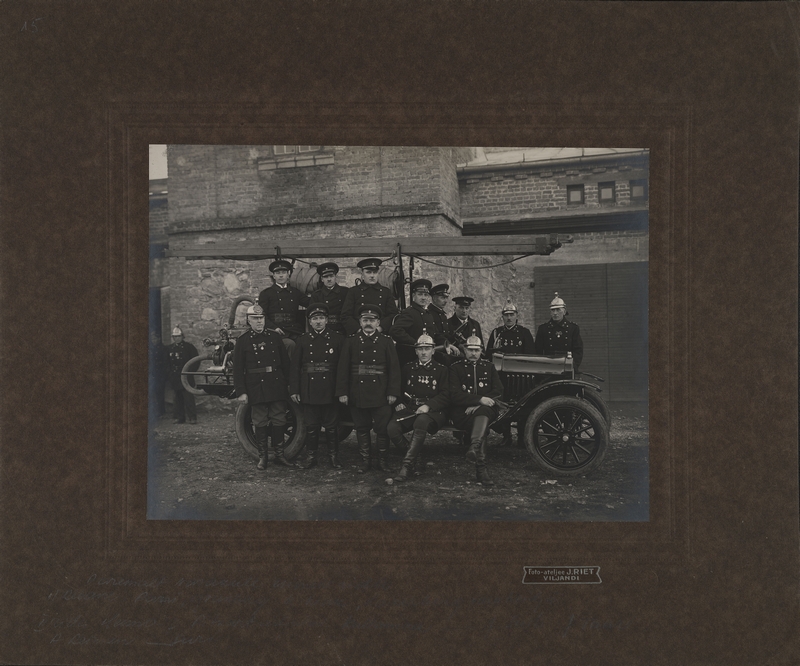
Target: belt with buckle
[(363, 369), (316, 367), (254, 371)]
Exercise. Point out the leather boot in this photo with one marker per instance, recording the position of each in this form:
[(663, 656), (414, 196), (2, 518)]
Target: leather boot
[(383, 453), (411, 459), (480, 466), (400, 443), (477, 434), (261, 434), (364, 445), (312, 444), (277, 433), (332, 438)]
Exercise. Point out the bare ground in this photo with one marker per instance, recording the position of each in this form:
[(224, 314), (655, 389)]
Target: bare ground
[(201, 472)]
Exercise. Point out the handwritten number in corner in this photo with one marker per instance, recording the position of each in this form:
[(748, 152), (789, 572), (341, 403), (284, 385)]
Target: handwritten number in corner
[(31, 26)]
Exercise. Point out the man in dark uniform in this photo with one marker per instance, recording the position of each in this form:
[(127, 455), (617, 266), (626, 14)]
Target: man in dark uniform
[(260, 374), (281, 304), (510, 338), (368, 380), (559, 335), (332, 295), (474, 387), (440, 294), (369, 292), (312, 383), (462, 325), (412, 322), (180, 352), (422, 406)]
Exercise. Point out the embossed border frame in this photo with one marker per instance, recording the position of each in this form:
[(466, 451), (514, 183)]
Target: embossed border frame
[(665, 130)]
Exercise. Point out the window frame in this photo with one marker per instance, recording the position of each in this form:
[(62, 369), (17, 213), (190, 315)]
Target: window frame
[(579, 187)]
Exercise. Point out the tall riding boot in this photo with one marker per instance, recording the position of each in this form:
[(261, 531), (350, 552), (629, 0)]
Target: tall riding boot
[(479, 425), (400, 442), (480, 466), (332, 438), (382, 442), (277, 434), (262, 435), (413, 452), (364, 445), (312, 444)]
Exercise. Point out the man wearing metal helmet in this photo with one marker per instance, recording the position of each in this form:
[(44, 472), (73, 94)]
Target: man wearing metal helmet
[(368, 292), (440, 295), (510, 338), (413, 322), (559, 336), (260, 374), (422, 406), (181, 352), (281, 304), (474, 388), (368, 381), (332, 295), (312, 383), (461, 324)]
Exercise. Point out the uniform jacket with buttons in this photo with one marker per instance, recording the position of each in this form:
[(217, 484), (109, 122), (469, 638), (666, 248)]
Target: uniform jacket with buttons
[(368, 370), (253, 353), (407, 328), (514, 340), (367, 294), (179, 354), (281, 307), (334, 299), (315, 362), (462, 330), (559, 338), (427, 384), (442, 327), (469, 382)]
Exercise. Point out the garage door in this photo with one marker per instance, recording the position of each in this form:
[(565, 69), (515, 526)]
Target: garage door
[(609, 303)]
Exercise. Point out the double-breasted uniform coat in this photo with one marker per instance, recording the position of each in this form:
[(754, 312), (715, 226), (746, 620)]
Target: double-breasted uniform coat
[(183, 406), (558, 338), (461, 330), (510, 340), (333, 298), (424, 384), (261, 370), (281, 307), (469, 382), (368, 294), (407, 328), (314, 365)]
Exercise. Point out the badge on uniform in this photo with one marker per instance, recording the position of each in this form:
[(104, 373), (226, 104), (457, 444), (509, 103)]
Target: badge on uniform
[(558, 334), (330, 351), (480, 384)]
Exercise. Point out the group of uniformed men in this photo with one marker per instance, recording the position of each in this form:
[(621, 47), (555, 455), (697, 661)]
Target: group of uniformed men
[(429, 368)]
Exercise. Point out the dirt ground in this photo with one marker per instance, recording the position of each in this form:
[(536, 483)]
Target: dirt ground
[(202, 472)]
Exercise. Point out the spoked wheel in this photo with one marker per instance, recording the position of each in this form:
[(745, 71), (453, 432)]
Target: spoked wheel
[(295, 432), (566, 436)]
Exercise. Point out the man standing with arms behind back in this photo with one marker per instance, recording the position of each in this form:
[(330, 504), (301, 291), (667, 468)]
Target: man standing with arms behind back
[(559, 335), (180, 352)]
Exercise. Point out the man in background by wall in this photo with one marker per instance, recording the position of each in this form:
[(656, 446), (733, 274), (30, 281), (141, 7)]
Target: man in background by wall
[(180, 352)]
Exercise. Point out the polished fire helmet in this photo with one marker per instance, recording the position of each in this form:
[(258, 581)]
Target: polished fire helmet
[(176, 332), (256, 310), (557, 303), (509, 307), (473, 342), (424, 340)]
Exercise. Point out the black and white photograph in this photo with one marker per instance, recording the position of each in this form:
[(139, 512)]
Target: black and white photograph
[(398, 333)]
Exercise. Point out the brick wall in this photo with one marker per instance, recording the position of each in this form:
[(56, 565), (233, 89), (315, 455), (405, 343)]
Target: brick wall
[(539, 189)]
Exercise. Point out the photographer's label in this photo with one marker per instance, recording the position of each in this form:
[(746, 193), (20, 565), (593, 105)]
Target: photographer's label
[(561, 575)]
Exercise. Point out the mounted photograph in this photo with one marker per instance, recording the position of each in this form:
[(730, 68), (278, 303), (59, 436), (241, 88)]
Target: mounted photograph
[(398, 333)]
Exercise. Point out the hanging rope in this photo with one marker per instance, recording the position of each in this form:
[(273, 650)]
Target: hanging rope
[(470, 268)]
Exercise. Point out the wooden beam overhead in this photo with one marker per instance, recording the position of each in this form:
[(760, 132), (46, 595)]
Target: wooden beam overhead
[(371, 247)]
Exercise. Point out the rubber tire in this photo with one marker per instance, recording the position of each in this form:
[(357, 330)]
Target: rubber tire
[(191, 366), (597, 401), (588, 411), (246, 436)]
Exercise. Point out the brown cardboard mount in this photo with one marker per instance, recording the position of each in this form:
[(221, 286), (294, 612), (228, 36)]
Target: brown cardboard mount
[(710, 88)]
